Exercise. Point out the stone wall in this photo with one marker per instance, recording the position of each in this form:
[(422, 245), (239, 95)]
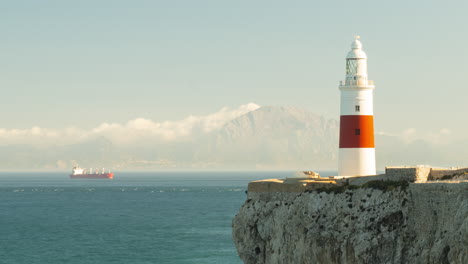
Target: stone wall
[(438, 174), (415, 174), (418, 174)]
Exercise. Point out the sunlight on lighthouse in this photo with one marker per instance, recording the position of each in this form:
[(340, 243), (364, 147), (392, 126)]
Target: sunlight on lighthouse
[(357, 151)]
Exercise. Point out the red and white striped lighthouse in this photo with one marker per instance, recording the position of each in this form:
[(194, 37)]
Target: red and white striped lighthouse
[(357, 151)]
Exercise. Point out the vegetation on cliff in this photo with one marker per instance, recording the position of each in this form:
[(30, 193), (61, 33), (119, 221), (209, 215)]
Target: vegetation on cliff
[(377, 184)]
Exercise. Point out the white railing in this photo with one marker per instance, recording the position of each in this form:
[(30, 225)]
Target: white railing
[(357, 82)]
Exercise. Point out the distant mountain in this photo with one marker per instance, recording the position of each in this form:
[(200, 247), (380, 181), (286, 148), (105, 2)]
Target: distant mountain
[(267, 138), (275, 137)]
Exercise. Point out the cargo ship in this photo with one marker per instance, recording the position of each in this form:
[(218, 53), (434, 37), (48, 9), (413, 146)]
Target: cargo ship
[(80, 173)]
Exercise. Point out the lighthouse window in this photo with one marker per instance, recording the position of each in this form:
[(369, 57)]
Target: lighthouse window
[(351, 66), (357, 108), (358, 132)]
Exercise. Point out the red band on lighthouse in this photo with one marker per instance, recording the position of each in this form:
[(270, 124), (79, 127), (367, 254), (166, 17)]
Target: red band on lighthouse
[(357, 131)]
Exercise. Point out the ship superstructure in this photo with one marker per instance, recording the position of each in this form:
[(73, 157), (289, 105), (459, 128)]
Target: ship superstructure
[(81, 173)]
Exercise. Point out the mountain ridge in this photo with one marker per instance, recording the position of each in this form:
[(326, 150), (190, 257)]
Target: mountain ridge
[(270, 137)]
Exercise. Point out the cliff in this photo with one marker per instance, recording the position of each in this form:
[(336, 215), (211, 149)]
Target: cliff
[(383, 223)]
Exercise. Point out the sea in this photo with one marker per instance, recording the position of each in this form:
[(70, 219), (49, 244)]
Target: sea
[(138, 217)]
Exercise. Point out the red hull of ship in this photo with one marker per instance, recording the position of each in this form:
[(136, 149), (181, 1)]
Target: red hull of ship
[(93, 176)]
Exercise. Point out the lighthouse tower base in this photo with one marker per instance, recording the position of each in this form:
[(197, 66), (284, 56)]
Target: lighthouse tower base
[(356, 161)]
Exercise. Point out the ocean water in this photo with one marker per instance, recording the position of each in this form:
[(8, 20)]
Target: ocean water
[(163, 217)]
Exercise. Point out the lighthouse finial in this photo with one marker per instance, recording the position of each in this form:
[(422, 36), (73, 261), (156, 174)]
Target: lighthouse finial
[(357, 36)]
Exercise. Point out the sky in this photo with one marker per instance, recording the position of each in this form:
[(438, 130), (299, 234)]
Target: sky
[(83, 64)]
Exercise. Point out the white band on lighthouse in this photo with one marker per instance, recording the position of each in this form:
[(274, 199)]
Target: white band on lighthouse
[(357, 161), (356, 153)]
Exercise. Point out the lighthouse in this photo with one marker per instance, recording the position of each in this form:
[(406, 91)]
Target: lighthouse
[(357, 151)]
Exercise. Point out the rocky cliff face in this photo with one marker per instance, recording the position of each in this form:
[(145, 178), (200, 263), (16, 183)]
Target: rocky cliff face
[(421, 223)]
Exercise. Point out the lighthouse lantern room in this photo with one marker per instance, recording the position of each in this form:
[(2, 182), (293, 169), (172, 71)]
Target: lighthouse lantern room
[(357, 151)]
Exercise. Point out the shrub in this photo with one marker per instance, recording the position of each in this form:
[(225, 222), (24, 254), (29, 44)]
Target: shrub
[(377, 184), (386, 185)]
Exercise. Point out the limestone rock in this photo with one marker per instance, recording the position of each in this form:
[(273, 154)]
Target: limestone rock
[(423, 223)]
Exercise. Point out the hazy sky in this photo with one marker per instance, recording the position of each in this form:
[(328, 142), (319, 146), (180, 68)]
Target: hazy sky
[(83, 63)]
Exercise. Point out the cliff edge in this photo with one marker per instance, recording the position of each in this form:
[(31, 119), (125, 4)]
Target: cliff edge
[(386, 222)]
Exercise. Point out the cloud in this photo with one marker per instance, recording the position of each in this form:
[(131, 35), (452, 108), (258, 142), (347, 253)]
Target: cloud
[(410, 135), (137, 130)]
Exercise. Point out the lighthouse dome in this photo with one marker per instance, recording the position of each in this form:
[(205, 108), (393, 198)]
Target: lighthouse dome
[(356, 54), (356, 51), (356, 44)]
